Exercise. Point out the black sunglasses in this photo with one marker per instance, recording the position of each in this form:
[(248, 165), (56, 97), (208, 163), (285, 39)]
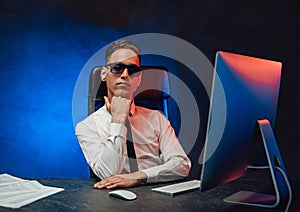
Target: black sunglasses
[(118, 68)]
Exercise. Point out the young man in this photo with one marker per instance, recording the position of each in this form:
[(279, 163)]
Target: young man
[(102, 135)]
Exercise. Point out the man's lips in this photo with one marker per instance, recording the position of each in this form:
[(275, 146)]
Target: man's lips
[(123, 84)]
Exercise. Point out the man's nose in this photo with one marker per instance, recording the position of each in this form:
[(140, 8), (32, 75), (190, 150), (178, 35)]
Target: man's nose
[(125, 73)]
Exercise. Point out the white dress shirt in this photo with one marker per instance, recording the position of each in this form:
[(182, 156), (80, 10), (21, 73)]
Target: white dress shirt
[(158, 151)]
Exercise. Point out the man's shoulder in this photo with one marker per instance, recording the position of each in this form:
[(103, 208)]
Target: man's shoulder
[(100, 113)]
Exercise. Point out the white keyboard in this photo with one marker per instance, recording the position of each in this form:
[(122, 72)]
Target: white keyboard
[(179, 188)]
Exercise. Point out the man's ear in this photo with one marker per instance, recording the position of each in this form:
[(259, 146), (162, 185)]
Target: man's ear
[(140, 80), (103, 73)]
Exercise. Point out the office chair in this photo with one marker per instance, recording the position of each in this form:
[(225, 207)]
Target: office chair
[(152, 93)]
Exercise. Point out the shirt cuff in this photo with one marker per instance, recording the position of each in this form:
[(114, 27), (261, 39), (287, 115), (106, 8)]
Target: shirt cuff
[(117, 130), (151, 174)]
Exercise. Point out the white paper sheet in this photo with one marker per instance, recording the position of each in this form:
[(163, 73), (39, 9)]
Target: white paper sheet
[(16, 192)]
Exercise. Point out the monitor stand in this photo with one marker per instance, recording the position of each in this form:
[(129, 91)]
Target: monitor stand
[(278, 175)]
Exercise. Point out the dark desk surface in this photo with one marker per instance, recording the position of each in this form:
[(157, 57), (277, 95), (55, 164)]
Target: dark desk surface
[(79, 195)]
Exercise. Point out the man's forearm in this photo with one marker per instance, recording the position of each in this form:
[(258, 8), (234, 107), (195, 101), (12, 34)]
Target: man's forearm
[(112, 160), (176, 168)]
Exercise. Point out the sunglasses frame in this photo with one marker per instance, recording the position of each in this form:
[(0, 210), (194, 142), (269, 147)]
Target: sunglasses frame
[(133, 69)]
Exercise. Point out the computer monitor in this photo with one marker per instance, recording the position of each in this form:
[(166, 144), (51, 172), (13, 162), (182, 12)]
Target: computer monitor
[(244, 96)]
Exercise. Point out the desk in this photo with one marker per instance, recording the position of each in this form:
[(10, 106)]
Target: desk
[(79, 195)]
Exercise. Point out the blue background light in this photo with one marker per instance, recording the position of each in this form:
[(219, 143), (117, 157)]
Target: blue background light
[(40, 62)]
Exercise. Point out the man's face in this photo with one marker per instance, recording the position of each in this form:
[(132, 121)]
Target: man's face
[(122, 84)]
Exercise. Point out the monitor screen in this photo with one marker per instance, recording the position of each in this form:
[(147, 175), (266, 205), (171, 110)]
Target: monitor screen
[(245, 89)]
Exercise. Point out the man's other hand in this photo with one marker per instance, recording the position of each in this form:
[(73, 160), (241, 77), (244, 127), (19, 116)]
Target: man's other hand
[(123, 181)]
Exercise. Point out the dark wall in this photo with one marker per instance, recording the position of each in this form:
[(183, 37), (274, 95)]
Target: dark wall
[(45, 44)]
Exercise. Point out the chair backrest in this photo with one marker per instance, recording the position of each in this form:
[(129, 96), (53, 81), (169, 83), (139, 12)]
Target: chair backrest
[(152, 93)]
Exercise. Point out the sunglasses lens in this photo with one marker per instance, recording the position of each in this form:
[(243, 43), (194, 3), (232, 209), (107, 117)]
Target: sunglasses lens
[(134, 70), (117, 69)]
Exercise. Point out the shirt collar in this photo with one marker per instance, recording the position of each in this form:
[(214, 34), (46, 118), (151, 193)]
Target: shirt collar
[(132, 109)]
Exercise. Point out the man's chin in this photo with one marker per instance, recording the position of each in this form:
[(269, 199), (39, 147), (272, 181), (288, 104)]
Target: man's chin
[(124, 93)]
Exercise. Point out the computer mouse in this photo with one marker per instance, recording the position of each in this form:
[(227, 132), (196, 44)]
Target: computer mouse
[(123, 194)]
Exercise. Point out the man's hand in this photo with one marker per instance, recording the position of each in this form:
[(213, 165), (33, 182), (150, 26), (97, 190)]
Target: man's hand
[(119, 108), (124, 180)]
